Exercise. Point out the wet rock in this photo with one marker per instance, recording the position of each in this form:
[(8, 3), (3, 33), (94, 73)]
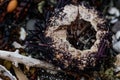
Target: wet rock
[(114, 21), (23, 34), (116, 27), (114, 11), (116, 47), (31, 24), (116, 41)]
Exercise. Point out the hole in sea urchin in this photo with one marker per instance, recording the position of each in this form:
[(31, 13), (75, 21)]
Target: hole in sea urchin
[(81, 34)]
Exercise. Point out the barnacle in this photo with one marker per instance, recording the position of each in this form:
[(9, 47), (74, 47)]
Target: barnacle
[(63, 26)]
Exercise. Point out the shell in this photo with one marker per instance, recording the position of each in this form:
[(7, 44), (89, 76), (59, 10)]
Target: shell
[(12, 6)]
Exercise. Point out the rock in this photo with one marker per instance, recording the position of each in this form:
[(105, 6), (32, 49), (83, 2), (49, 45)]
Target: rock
[(117, 35), (116, 27), (116, 42), (31, 24), (116, 46), (22, 33), (17, 45), (114, 20), (114, 11)]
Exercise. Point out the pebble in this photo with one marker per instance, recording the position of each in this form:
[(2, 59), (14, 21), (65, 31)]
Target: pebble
[(23, 34), (117, 35), (116, 42), (17, 45), (114, 21), (116, 27), (114, 14), (31, 24), (114, 11), (82, 78), (116, 46)]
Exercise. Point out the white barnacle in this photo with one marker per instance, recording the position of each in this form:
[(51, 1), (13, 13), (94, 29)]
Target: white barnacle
[(58, 33)]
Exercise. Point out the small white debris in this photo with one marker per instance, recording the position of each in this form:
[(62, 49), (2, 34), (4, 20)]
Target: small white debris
[(15, 63), (31, 24), (17, 45), (82, 78), (52, 72), (114, 11), (110, 17), (22, 34)]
